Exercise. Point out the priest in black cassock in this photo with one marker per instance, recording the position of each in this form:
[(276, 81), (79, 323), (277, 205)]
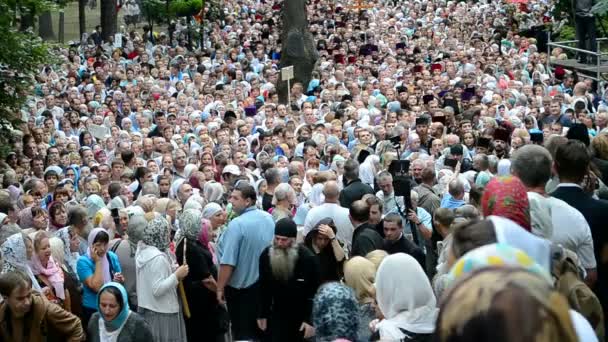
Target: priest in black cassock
[(289, 278)]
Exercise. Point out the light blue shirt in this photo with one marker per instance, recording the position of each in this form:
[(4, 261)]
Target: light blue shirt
[(241, 244), (86, 268), (426, 219)]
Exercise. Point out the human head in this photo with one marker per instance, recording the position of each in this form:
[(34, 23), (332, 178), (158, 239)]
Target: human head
[(471, 309), (572, 161), (393, 227), (359, 274), (385, 182), (331, 191), (358, 212), (334, 307), (402, 286), (507, 197), (351, 169), (113, 305), (532, 165), (456, 189), (16, 290), (242, 197)]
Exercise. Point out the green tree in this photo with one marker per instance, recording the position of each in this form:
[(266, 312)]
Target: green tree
[(21, 56)]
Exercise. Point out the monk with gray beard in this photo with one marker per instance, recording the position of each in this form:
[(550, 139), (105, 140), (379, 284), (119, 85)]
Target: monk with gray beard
[(289, 278)]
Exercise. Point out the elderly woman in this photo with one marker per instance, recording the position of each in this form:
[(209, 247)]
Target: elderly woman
[(283, 200), (194, 249), (115, 321), (217, 218), (17, 250), (405, 299), (157, 283)]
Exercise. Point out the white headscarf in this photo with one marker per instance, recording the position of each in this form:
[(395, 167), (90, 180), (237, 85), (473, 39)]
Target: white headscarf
[(405, 297), (316, 197), (14, 255), (368, 171), (504, 167), (514, 235)]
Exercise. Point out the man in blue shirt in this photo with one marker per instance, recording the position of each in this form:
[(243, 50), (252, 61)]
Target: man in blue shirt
[(239, 250)]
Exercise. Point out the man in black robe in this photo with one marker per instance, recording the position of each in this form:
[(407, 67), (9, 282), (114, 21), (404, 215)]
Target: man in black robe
[(289, 278)]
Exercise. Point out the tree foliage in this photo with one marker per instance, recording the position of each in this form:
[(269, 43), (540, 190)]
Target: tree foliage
[(183, 8), (21, 55)]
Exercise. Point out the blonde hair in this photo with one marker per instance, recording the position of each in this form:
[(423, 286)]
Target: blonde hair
[(359, 274), (376, 257)]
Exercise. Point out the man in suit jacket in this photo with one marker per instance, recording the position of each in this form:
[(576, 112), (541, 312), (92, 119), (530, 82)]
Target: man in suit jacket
[(572, 162), (354, 189), (365, 237)]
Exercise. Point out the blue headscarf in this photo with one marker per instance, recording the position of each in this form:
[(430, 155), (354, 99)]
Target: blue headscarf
[(76, 170), (122, 316)]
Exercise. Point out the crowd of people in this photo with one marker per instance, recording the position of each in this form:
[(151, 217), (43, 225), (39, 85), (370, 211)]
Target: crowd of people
[(434, 181)]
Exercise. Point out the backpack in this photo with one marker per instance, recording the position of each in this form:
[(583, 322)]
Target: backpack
[(569, 282)]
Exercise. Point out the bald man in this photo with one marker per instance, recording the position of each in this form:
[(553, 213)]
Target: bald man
[(331, 209)]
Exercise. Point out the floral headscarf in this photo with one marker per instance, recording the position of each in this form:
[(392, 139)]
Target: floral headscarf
[(156, 234), (71, 258), (26, 218), (507, 197), (333, 310), (496, 254), (472, 303), (14, 255), (190, 224)]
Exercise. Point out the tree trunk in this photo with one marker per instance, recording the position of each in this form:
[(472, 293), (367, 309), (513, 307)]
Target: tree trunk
[(61, 25), (298, 47), (108, 18), (82, 17), (45, 26)]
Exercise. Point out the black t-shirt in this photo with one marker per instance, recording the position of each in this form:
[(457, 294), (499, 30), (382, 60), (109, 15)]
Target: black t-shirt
[(266, 201)]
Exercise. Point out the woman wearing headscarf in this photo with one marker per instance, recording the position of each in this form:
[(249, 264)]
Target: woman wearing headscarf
[(505, 304), (157, 283), (213, 191), (114, 321), (406, 300), (328, 250), (507, 197), (194, 249), (94, 203), (98, 267), (359, 274), (369, 169), (217, 218), (17, 250), (333, 310), (70, 243)]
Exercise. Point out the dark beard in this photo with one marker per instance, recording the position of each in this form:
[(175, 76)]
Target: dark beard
[(283, 262)]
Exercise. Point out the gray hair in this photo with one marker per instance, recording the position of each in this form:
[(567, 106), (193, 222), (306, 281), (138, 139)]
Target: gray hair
[(532, 164), (282, 192), (150, 188)]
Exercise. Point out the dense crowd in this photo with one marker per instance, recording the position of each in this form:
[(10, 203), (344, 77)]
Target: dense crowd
[(435, 180)]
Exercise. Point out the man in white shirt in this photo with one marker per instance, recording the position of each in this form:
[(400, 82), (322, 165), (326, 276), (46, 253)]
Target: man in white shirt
[(553, 218), (331, 209)]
